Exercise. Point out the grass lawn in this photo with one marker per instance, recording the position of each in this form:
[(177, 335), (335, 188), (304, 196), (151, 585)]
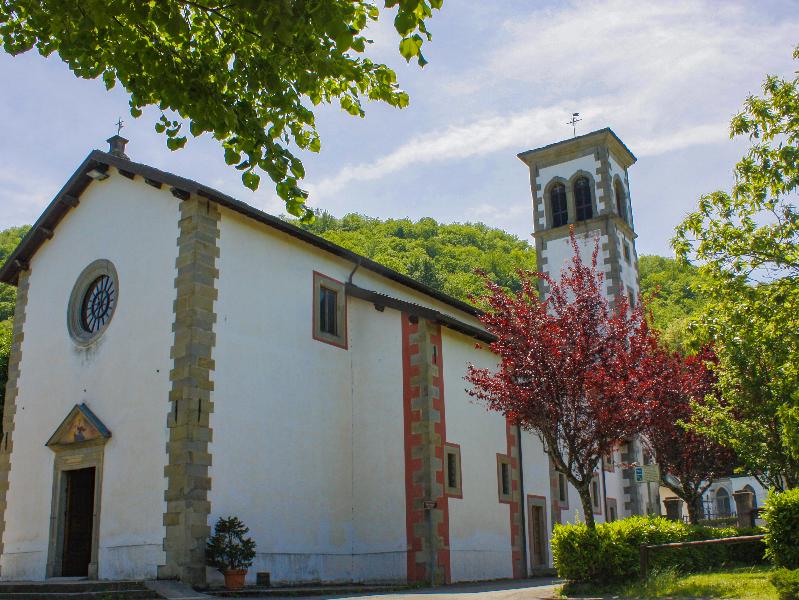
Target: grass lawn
[(747, 582)]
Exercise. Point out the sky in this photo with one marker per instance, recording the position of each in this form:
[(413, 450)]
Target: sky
[(503, 77)]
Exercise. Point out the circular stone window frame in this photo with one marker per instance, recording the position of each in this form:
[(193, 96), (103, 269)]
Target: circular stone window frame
[(88, 276)]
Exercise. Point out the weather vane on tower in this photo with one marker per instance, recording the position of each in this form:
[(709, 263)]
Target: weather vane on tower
[(573, 123), (120, 124)]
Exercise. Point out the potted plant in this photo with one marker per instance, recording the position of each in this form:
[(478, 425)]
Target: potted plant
[(230, 552)]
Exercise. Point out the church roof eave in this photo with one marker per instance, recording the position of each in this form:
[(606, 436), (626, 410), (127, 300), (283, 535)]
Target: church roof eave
[(69, 195)]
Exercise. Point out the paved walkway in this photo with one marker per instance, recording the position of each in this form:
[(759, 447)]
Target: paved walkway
[(529, 589)]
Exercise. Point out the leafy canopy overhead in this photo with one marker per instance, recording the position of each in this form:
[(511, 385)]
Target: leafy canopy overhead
[(442, 256), (248, 72)]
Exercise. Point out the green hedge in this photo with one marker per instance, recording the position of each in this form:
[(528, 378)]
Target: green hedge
[(787, 583), (781, 513), (611, 552)]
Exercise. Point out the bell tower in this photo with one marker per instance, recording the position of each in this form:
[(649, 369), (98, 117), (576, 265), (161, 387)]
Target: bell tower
[(583, 182)]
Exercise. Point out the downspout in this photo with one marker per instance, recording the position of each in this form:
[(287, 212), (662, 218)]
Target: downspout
[(604, 487), (355, 268), (523, 503)]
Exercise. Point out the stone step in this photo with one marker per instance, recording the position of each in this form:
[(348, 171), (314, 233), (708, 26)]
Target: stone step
[(75, 590)]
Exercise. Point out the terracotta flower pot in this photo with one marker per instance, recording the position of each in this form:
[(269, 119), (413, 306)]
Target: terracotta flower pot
[(234, 578)]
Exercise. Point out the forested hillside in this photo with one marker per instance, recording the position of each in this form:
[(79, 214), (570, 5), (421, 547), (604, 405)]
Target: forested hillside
[(9, 238), (443, 256), (446, 256), (672, 294)]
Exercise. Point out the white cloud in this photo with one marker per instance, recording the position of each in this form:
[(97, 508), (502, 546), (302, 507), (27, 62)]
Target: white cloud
[(667, 75), (24, 196)]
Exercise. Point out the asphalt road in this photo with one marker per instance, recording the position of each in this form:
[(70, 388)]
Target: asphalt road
[(529, 589)]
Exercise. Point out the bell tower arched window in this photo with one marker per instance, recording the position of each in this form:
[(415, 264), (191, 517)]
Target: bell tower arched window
[(621, 201), (557, 201), (582, 198)]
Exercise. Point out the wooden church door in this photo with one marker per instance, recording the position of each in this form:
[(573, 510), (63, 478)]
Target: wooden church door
[(78, 522), (538, 536)]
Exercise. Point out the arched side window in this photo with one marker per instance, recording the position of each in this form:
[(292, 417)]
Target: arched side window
[(723, 503), (621, 201), (582, 198), (558, 205)]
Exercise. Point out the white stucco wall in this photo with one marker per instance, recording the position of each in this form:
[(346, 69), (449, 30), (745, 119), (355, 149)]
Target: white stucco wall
[(314, 430), (123, 378), (559, 254), (479, 524)]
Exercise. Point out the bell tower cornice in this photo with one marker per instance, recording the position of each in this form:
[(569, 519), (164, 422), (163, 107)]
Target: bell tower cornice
[(565, 150)]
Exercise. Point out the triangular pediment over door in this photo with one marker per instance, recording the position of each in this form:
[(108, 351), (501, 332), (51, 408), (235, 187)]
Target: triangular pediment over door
[(81, 426)]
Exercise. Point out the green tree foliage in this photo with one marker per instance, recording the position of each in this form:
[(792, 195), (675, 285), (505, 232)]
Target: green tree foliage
[(9, 238), (747, 243), (444, 257), (247, 72), (781, 513), (674, 296)]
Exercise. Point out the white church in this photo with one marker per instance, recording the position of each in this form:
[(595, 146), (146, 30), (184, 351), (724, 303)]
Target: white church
[(179, 356)]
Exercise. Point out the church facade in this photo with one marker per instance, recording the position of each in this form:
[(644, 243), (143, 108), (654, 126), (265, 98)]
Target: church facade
[(179, 356)]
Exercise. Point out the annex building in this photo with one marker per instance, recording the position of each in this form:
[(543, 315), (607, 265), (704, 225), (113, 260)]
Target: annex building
[(179, 356)]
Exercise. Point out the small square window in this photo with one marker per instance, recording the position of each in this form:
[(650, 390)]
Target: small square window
[(504, 479), (329, 311), (452, 474)]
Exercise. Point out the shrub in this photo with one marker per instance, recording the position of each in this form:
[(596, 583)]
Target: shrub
[(611, 552), (781, 513), (787, 583), (228, 549)]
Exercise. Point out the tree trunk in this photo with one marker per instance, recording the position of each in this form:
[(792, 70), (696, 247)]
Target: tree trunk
[(695, 509), (588, 507)]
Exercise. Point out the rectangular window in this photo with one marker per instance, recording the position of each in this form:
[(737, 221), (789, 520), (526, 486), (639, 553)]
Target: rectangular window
[(452, 475), (631, 298), (504, 478), (595, 496), (563, 489), (627, 252), (329, 311)]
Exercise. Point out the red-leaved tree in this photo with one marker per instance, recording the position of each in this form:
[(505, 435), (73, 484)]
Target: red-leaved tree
[(569, 367), (689, 461)]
